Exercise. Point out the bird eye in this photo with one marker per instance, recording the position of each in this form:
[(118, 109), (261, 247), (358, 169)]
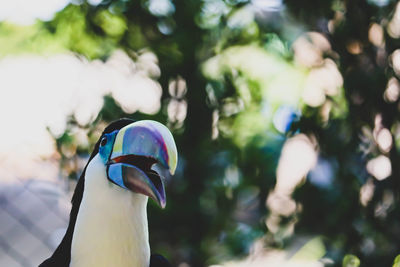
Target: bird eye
[(103, 141)]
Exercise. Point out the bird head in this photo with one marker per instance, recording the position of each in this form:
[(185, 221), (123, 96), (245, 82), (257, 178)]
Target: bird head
[(135, 154)]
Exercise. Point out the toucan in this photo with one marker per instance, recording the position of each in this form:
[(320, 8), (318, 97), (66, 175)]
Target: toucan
[(108, 220)]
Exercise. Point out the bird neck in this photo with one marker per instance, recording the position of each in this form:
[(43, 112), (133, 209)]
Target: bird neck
[(111, 227)]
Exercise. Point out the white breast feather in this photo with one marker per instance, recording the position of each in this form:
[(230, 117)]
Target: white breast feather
[(111, 228)]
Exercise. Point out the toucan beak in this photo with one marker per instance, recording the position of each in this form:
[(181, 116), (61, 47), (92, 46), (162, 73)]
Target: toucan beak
[(136, 148)]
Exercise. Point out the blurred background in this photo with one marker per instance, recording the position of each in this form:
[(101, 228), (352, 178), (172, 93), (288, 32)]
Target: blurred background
[(286, 115)]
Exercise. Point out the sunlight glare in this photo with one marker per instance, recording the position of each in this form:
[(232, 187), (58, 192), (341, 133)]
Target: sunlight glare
[(26, 11), (38, 92)]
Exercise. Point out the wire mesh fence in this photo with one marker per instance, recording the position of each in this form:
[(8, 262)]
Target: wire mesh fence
[(33, 219)]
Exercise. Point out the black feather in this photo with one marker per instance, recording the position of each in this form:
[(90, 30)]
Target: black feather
[(157, 260), (62, 255)]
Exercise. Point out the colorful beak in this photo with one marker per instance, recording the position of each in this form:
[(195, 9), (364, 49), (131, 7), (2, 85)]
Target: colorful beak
[(136, 148)]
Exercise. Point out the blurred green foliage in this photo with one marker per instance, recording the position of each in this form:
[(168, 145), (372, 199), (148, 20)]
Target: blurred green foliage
[(351, 261), (396, 262), (16, 39), (257, 73)]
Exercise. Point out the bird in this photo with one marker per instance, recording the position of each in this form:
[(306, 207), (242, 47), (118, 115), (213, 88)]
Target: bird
[(108, 219)]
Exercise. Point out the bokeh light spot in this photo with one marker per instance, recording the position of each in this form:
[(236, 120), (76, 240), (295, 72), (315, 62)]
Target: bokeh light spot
[(380, 167)]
